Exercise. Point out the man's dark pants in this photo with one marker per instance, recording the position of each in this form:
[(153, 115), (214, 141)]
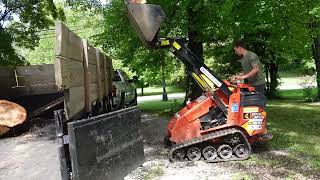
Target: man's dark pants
[(260, 88)]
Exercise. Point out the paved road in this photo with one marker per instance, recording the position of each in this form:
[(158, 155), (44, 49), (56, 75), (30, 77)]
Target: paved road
[(286, 84), (31, 156), (159, 97)]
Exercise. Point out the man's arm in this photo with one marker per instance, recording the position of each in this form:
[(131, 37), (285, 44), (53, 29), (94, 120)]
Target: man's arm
[(255, 68), (253, 72)]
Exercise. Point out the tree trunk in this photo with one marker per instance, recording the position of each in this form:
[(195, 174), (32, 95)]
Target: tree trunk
[(272, 75), (195, 45), (197, 48), (142, 90), (164, 92), (316, 56), (273, 71), (267, 76)]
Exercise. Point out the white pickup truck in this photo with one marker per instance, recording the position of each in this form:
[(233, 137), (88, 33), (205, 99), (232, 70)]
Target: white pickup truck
[(124, 92)]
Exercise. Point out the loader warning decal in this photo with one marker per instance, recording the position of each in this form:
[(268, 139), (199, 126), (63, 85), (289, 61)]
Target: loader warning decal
[(211, 77), (255, 121), (235, 107)]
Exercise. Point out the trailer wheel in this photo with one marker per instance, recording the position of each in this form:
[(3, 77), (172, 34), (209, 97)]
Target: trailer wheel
[(108, 104), (122, 101)]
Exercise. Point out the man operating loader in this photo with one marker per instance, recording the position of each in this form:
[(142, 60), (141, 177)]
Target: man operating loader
[(251, 66)]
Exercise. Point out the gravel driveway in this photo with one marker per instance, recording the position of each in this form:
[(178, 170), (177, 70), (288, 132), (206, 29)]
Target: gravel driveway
[(264, 163), (34, 156)]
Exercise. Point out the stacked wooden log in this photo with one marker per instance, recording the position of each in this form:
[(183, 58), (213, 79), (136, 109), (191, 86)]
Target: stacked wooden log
[(11, 114)]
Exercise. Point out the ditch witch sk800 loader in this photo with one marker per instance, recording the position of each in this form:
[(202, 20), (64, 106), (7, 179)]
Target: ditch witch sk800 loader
[(221, 124)]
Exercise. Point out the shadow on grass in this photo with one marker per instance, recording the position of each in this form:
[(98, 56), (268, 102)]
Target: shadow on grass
[(296, 128)]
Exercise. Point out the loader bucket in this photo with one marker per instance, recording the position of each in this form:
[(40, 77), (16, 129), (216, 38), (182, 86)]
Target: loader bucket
[(146, 20)]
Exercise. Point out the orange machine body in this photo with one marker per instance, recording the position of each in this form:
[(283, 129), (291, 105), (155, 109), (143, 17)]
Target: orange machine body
[(251, 120)]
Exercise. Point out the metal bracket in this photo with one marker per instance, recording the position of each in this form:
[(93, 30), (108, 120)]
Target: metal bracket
[(63, 138), (63, 141)]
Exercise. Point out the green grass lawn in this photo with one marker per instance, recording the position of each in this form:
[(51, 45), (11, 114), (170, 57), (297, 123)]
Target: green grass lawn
[(295, 94), (294, 124), (149, 91)]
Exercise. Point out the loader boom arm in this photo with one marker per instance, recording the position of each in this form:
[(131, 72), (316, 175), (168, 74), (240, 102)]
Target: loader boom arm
[(206, 78), (146, 20)]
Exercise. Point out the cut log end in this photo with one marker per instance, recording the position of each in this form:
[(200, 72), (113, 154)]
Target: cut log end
[(11, 114), (3, 129)]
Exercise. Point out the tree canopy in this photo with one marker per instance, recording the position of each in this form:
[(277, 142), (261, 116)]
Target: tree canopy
[(284, 34), (20, 24)]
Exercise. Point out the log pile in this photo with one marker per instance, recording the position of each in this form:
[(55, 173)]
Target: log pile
[(11, 114)]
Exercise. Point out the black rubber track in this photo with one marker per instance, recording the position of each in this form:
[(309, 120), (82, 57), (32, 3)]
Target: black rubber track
[(211, 136)]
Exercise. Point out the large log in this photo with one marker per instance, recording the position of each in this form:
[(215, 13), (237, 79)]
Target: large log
[(11, 114)]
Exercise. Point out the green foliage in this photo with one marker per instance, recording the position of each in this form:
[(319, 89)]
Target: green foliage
[(282, 33), (20, 24), (8, 57), (85, 23)]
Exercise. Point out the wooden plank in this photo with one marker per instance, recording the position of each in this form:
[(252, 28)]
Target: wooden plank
[(36, 74), (105, 82), (7, 80), (7, 77), (35, 70), (74, 101), (92, 73), (34, 80), (34, 90), (93, 95), (68, 73), (98, 76), (103, 74), (109, 74), (91, 54), (86, 77), (68, 44)]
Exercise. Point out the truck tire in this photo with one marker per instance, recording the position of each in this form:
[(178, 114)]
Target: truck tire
[(122, 101), (108, 104), (135, 101)]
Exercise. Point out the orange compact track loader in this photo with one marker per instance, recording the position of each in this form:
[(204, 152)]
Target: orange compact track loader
[(224, 121)]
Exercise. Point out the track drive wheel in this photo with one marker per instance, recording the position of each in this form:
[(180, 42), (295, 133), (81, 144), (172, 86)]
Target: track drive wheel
[(209, 153), (194, 154), (178, 154), (241, 150), (225, 151)]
